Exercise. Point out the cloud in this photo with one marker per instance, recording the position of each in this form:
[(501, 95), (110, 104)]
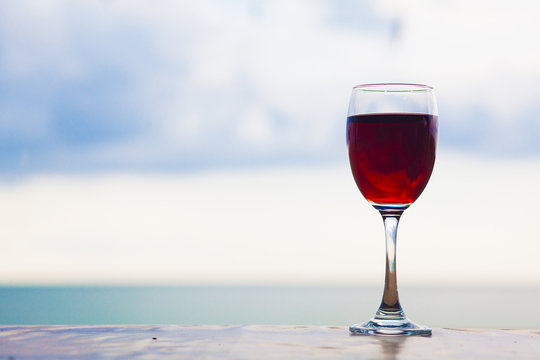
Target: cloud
[(275, 225), (135, 85)]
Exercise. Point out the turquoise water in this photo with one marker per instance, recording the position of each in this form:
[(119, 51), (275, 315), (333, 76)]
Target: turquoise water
[(308, 305)]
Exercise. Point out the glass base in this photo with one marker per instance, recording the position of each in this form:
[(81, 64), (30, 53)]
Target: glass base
[(394, 327)]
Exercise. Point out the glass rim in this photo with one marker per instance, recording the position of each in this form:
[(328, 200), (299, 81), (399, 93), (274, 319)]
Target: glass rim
[(387, 87)]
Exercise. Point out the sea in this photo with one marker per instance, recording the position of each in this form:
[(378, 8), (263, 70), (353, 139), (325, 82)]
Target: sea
[(436, 306)]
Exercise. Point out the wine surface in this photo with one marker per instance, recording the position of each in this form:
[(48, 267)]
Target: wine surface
[(392, 155)]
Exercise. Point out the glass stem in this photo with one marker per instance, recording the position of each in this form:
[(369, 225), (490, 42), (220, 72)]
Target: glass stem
[(390, 307)]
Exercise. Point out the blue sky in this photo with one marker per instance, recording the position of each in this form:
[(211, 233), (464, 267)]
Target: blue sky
[(109, 109), (131, 85)]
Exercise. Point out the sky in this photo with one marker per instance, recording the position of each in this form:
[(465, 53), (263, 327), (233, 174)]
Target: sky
[(204, 142), (273, 225), (178, 86)]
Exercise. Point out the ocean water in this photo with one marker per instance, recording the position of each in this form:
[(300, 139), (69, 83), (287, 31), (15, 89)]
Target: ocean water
[(456, 307)]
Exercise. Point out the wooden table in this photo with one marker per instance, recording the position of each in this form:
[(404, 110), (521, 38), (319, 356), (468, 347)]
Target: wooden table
[(257, 342)]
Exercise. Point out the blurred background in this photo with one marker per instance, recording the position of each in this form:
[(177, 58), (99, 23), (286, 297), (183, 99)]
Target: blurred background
[(185, 162)]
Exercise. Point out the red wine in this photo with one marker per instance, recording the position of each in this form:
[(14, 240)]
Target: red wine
[(392, 155)]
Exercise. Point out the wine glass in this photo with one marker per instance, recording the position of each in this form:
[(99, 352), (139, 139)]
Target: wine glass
[(392, 132)]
